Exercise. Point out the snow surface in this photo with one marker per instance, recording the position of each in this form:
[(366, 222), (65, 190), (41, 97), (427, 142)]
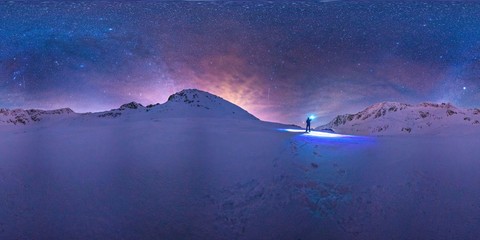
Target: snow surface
[(164, 175), (391, 118)]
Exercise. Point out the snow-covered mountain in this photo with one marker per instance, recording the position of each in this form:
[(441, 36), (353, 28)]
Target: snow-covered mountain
[(199, 103), (188, 103), (392, 118), (22, 117)]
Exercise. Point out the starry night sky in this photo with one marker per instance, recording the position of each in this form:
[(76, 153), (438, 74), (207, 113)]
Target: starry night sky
[(279, 60)]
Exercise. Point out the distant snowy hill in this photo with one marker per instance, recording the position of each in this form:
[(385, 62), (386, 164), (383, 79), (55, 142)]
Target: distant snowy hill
[(189, 103), (392, 118), (22, 117)]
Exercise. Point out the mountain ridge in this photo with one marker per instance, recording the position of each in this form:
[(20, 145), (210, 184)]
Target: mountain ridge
[(185, 103), (392, 118), (22, 116)]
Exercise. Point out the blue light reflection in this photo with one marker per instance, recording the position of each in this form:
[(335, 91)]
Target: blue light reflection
[(325, 137)]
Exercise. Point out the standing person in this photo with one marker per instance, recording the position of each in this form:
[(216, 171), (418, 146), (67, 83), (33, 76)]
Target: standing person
[(308, 129)]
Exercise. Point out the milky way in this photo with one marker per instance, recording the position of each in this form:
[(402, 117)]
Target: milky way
[(281, 61)]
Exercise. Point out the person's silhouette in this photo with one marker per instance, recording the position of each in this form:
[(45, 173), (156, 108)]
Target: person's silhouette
[(308, 129)]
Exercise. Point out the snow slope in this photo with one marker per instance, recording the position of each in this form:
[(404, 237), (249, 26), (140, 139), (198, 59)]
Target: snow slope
[(184, 174), (391, 118)]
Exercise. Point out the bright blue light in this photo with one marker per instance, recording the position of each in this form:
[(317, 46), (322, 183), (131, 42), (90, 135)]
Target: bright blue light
[(325, 137), (312, 117), (315, 133)]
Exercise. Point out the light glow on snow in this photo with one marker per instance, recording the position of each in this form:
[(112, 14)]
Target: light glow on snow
[(327, 138), (316, 133)]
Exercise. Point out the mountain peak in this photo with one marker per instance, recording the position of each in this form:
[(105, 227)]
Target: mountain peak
[(190, 96), (131, 105), (194, 102)]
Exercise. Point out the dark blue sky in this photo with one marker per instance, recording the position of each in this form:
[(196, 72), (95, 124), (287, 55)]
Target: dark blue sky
[(279, 60)]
